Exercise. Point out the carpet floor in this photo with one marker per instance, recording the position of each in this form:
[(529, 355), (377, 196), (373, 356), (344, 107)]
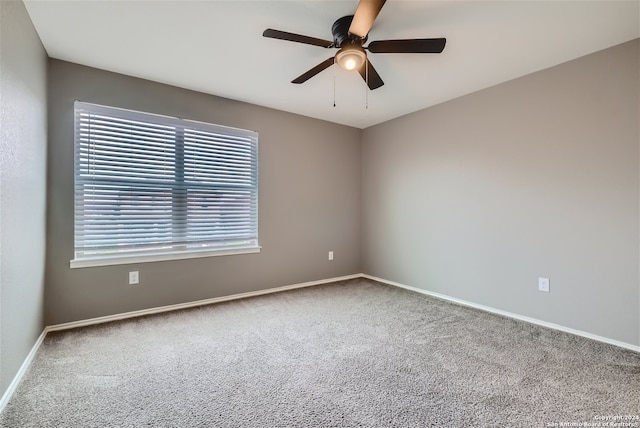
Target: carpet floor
[(350, 354)]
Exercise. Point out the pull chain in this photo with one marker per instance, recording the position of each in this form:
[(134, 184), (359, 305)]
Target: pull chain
[(334, 82), (366, 89)]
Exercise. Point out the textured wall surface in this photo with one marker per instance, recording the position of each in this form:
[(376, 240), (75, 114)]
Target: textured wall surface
[(537, 177), (23, 68), (309, 201)]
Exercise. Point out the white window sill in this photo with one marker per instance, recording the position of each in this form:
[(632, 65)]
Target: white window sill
[(156, 257)]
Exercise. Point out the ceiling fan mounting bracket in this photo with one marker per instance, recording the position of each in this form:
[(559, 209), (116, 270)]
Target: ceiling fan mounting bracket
[(341, 35)]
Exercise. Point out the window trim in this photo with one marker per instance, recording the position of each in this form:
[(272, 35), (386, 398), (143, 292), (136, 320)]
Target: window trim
[(155, 255), (158, 257)]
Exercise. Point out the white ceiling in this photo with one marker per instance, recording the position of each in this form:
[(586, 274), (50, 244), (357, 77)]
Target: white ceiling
[(217, 47)]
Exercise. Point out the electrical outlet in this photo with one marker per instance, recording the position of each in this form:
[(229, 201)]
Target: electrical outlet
[(330, 255), (543, 284), (134, 277)]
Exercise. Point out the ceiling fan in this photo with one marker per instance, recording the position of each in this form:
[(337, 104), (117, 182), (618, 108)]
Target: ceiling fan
[(349, 35)]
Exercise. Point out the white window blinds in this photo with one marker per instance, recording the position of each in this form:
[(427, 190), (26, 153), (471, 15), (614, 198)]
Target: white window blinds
[(149, 184)]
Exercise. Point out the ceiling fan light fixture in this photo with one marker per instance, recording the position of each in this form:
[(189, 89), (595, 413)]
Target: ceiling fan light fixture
[(351, 57)]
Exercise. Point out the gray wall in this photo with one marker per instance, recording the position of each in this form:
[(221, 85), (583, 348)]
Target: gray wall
[(309, 201), (22, 187), (537, 177)]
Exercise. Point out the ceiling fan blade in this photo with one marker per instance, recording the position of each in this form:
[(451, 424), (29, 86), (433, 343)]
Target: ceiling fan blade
[(366, 13), (373, 80), (408, 46), (315, 70), (291, 37)]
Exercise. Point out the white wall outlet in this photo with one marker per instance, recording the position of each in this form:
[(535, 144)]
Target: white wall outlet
[(134, 277), (543, 284), (330, 255)]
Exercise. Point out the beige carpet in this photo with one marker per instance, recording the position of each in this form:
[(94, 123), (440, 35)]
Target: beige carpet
[(353, 354)]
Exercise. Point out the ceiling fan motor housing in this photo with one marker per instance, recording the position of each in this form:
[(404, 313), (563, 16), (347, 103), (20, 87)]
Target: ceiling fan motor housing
[(341, 35)]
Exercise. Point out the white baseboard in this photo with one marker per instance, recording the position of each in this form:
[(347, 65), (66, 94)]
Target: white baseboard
[(169, 308), (23, 369), (509, 314)]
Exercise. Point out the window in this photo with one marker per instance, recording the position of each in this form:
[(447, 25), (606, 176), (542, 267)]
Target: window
[(151, 187)]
